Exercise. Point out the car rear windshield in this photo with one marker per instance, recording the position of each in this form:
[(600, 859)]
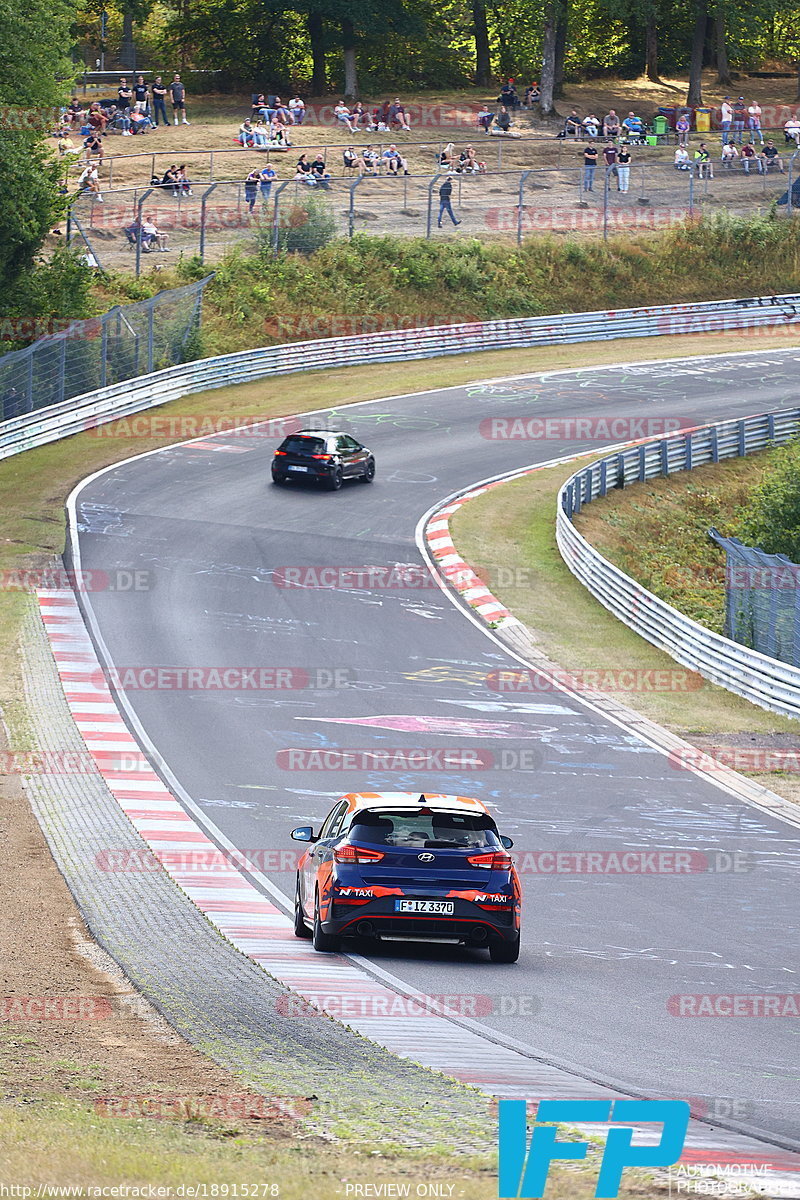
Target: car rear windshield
[(425, 830), (303, 445)]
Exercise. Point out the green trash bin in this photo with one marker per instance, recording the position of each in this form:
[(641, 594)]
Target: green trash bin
[(702, 120), (660, 126)]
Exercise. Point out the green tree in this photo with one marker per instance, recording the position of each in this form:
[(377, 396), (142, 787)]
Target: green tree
[(771, 520)]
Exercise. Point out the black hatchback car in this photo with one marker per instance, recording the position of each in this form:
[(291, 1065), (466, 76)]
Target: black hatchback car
[(324, 456)]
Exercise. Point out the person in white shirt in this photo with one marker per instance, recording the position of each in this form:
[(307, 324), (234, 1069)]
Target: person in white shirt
[(681, 158), (342, 113), (726, 118), (298, 110), (754, 120), (729, 153), (792, 129)]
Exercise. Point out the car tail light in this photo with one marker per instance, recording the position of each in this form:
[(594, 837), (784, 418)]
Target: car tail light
[(324, 457), (495, 860), (356, 854), (282, 452)]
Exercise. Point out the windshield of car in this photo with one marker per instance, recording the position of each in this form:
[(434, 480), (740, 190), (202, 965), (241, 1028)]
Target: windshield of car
[(303, 445), (427, 829)]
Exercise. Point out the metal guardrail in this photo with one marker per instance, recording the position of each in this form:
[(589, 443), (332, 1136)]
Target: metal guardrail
[(764, 681), (148, 391)]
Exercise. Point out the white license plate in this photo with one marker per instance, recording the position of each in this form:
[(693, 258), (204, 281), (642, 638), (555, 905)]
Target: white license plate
[(299, 468), (441, 908)]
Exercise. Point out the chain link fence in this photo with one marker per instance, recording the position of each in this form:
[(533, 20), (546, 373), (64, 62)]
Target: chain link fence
[(124, 343), (207, 219), (762, 599)]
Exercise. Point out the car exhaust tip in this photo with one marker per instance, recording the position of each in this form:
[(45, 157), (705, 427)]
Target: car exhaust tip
[(365, 928), (479, 937)]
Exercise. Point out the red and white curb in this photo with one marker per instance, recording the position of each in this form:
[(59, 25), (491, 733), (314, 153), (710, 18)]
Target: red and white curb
[(431, 1031)]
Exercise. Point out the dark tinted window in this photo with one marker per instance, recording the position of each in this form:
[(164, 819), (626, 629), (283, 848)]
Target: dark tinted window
[(347, 443), (303, 445), (424, 830)]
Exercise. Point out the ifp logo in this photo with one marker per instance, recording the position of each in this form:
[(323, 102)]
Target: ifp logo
[(523, 1169)]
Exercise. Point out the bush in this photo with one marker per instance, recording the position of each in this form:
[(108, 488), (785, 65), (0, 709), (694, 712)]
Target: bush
[(306, 226), (771, 519)]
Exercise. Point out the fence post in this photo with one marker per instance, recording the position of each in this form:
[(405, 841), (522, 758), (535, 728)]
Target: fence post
[(68, 234), (520, 204), (605, 203), (351, 212), (110, 171), (211, 166), (789, 175), (150, 334), (691, 191), (275, 215), (203, 199), (431, 185), (104, 351), (141, 201)]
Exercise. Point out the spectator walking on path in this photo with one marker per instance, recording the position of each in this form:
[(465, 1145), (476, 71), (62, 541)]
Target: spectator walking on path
[(177, 91), (159, 101), (446, 203)]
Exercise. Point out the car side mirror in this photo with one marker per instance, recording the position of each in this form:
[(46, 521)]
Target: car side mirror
[(304, 833), (507, 842)]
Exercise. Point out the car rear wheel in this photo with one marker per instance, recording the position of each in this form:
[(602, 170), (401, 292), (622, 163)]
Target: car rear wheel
[(369, 472), (301, 930), (504, 952), (335, 481), (278, 479), (324, 942)]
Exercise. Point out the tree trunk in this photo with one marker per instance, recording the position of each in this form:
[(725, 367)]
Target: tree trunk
[(723, 67), (483, 65), (349, 47), (317, 39), (127, 49), (561, 50), (797, 97), (548, 80), (651, 48), (695, 93)]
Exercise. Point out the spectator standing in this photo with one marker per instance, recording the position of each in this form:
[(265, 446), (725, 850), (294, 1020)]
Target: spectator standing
[(251, 189), (739, 117), (623, 169), (446, 202), (266, 177), (177, 91), (159, 101), (124, 95), (589, 166), (726, 119), (610, 154), (141, 95), (754, 120)]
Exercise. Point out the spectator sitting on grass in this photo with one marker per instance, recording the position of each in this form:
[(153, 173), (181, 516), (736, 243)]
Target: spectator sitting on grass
[(359, 117), (74, 111), (770, 157), (321, 174), (394, 161), (140, 122), (791, 130), (260, 135), (397, 115), (342, 114), (96, 118), (119, 120), (246, 132), (532, 95), (89, 181), (93, 145), (183, 181), (283, 111), (447, 158), (298, 110), (303, 171), (748, 155), (681, 158), (170, 179), (502, 121), (277, 132), (729, 154), (468, 162)]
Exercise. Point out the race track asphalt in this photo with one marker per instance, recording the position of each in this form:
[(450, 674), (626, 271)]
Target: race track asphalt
[(602, 955)]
